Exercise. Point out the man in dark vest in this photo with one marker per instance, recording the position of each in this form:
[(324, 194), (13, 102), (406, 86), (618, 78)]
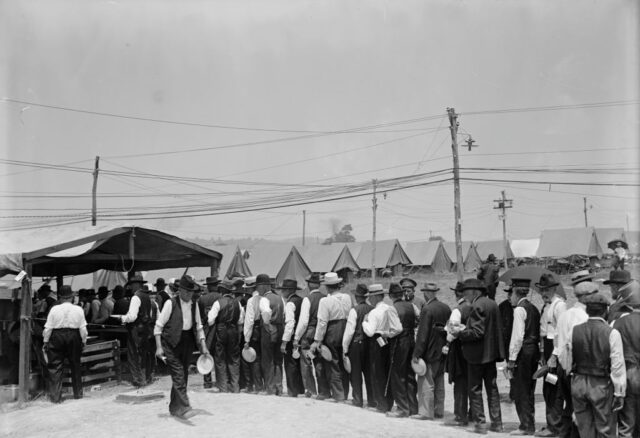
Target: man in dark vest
[(524, 353), (271, 309), (488, 273), (251, 333), (505, 309), (293, 305), (305, 331), (599, 379), (456, 363), (178, 329), (617, 279), (139, 321), (430, 342), (355, 348), (482, 347), (223, 319), (205, 300), (629, 327)]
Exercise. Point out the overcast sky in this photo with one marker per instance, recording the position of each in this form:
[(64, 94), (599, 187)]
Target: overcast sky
[(320, 66)]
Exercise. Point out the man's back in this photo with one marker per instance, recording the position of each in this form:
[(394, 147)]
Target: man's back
[(482, 338)]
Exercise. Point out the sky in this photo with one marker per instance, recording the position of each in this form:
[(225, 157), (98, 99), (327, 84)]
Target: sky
[(201, 108)]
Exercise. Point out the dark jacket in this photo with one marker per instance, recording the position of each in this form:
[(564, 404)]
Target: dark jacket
[(629, 328), (431, 335), (482, 340), (506, 318)]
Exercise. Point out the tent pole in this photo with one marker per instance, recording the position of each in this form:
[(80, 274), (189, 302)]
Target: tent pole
[(25, 337), (59, 282)]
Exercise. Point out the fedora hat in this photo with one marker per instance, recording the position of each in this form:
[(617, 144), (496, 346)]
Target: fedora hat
[(160, 282), (314, 278), (226, 286), (581, 276), (458, 287), (473, 283), (249, 354), (430, 287), (137, 278), (419, 367), (263, 279), (618, 277), (547, 281), (408, 282), (331, 278), (188, 283), (361, 290), (205, 364), (65, 292), (395, 289), (375, 289), (520, 282), (211, 281), (249, 282), (288, 283)]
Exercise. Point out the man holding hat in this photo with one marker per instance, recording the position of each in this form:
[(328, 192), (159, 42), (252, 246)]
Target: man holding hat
[(379, 325), (430, 341), (355, 347), (409, 287), (178, 329), (554, 306), (305, 331), (403, 381), (629, 327), (223, 318), (488, 273), (64, 337), (617, 279), (139, 321), (251, 334), (206, 299), (482, 347), (524, 353), (599, 380), (292, 307), (332, 320)]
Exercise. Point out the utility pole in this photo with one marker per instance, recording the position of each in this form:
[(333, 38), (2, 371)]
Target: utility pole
[(503, 204), (304, 224), (586, 223), (453, 122), (94, 207), (373, 248)]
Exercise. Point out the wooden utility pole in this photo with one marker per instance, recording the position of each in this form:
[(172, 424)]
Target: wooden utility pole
[(503, 204), (304, 225), (94, 207), (373, 247), (453, 126), (24, 355), (586, 223)]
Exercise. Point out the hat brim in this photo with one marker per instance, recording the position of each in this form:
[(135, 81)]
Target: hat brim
[(288, 288), (431, 290), (581, 279), (615, 282), (330, 283), (136, 281), (194, 289), (546, 286), (378, 292), (480, 288)]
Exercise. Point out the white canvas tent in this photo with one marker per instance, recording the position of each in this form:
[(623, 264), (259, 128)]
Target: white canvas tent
[(389, 253), (525, 247), (606, 235), (429, 254), (568, 242), (470, 258), (328, 258), (495, 247)]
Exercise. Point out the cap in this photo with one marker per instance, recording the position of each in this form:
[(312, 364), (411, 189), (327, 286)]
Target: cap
[(408, 282)]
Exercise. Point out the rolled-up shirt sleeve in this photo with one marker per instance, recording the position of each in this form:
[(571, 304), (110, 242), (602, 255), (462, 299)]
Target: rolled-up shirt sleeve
[(349, 330), (289, 321), (395, 326), (370, 323), (199, 328), (517, 334), (132, 314), (249, 317), (265, 310), (303, 320), (618, 369), (213, 313), (323, 319), (163, 317), (454, 320)]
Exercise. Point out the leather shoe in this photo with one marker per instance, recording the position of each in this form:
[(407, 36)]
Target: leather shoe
[(496, 428), (420, 417), (478, 428), (396, 414), (544, 432), (521, 432)]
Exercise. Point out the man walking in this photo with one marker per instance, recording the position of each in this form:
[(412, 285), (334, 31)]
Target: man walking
[(430, 342)]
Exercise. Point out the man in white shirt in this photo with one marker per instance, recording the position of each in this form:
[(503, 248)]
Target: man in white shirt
[(293, 304), (178, 330), (64, 337), (251, 331), (379, 325)]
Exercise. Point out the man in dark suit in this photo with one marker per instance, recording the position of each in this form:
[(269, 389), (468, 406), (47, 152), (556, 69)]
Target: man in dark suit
[(489, 275), (430, 341), (505, 309), (482, 347)]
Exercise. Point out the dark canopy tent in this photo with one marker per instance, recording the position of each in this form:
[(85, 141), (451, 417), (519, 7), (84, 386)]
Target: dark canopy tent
[(80, 249)]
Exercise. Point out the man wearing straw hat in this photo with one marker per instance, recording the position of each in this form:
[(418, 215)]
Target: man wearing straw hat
[(355, 347), (305, 331), (224, 317), (332, 320), (292, 308), (178, 329), (430, 341), (379, 325)]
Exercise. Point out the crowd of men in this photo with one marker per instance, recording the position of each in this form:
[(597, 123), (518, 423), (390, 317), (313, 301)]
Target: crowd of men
[(388, 352)]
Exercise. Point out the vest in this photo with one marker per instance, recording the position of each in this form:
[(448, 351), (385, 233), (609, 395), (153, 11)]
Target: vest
[(277, 307), (297, 302), (629, 328), (591, 350), (362, 310), (146, 312), (407, 316), (314, 300), (229, 311), (173, 328), (531, 324)]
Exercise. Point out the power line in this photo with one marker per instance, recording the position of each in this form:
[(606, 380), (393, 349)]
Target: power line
[(553, 107)]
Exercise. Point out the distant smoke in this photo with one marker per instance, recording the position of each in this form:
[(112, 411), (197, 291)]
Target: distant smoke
[(335, 224)]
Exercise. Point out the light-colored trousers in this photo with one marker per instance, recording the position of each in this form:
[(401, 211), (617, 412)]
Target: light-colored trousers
[(431, 391)]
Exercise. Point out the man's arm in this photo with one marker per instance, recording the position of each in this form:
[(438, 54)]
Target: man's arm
[(323, 319), (618, 369), (349, 330), (213, 313), (424, 327), (517, 333), (132, 314), (289, 321), (249, 317), (303, 320), (370, 323), (475, 326)]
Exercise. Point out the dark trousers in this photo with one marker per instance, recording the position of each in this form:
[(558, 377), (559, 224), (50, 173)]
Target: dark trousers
[(178, 359), (379, 360), (478, 374), (140, 355), (295, 386), (271, 359), (553, 401), (629, 417), (226, 357), (360, 367), (255, 368), (566, 429), (403, 382), (209, 336), (592, 399), (461, 398), (64, 344), (524, 386), (334, 371), (309, 367)]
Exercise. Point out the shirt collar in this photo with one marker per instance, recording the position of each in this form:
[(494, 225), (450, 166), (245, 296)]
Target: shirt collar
[(522, 299), (598, 318), (461, 300), (381, 303)]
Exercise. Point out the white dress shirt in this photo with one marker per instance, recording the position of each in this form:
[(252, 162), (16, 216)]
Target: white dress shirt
[(383, 320), (187, 321), (550, 317), (564, 332), (215, 310), (349, 330), (303, 320), (333, 307), (455, 319), (289, 320), (252, 314), (65, 315), (132, 313), (517, 333)]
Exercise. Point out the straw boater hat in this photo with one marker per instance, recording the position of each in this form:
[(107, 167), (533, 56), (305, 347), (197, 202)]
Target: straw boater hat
[(581, 276), (249, 282), (331, 278), (288, 284), (375, 289)]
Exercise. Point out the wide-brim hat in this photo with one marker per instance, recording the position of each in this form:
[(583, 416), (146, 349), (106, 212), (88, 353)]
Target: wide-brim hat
[(211, 281), (226, 285), (205, 364), (361, 290), (137, 278), (547, 281), (159, 282), (315, 277), (618, 277), (331, 278), (375, 289), (473, 283), (408, 282), (249, 282), (395, 289), (326, 353), (581, 276), (65, 292), (458, 287), (347, 364), (263, 279), (249, 354), (419, 367), (430, 287), (188, 283), (289, 284)]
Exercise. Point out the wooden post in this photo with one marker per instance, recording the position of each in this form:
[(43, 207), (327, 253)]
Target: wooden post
[(25, 337), (94, 203), (304, 225), (373, 246), (453, 121)]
